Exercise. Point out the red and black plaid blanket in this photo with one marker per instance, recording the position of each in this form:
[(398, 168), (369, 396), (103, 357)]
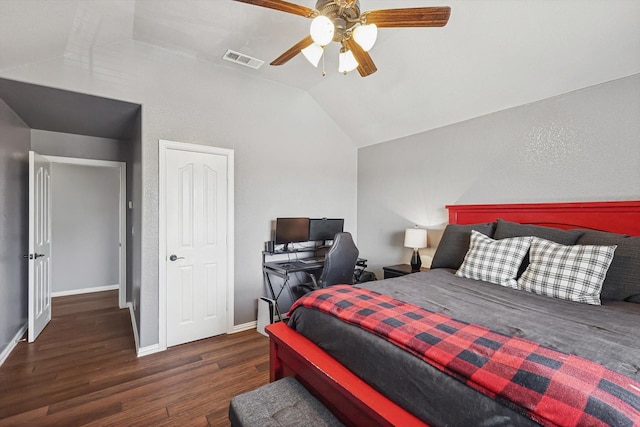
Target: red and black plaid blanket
[(550, 387)]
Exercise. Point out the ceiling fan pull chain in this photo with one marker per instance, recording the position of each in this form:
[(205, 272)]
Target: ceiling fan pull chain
[(324, 73)]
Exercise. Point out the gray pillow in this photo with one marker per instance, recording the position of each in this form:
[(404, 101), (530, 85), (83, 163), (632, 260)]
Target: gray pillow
[(623, 278), (505, 229), (455, 244)]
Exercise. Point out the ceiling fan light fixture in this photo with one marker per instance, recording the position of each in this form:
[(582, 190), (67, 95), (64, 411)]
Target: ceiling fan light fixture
[(322, 30), (365, 36), (346, 62), (313, 53), (343, 22)]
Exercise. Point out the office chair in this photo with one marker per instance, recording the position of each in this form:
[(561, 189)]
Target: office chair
[(339, 265)]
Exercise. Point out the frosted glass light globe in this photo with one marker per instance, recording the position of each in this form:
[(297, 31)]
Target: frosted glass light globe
[(313, 53), (347, 62), (365, 36), (322, 30)]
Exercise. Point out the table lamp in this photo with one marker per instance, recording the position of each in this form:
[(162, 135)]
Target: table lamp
[(415, 238)]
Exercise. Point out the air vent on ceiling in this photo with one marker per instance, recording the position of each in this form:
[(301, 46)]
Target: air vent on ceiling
[(242, 59)]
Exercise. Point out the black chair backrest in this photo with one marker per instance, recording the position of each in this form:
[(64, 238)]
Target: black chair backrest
[(340, 261)]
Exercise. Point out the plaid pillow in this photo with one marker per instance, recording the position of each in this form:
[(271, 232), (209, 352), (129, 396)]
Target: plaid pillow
[(495, 261), (574, 273)]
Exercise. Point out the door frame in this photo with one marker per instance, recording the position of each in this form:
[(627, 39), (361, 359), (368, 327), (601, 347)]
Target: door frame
[(122, 167), (164, 146)]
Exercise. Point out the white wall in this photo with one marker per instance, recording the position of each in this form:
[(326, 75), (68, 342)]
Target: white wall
[(85, 227), (582, 146), (291, 159)]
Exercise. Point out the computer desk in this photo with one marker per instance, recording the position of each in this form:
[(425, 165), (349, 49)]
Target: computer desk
[(284, 268)]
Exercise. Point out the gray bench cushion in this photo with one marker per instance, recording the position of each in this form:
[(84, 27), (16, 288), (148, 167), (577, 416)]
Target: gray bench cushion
[(282, 403)]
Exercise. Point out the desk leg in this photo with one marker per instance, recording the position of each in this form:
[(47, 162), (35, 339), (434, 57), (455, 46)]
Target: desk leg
[(273, 295)]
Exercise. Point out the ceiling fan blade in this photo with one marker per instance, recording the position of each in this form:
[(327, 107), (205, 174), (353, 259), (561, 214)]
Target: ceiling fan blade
[(283, 6), (409, 17), (366, 66), (295, 49)]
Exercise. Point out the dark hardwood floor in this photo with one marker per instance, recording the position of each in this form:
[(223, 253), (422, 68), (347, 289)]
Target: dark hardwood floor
[(83, 370)]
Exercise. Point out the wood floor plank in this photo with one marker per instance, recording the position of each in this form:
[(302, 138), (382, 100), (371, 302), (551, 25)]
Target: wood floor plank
[(28, 418), (140, 417), (83, 370)]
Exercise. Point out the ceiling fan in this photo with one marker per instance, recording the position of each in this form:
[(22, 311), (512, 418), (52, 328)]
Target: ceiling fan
[(341, 21)]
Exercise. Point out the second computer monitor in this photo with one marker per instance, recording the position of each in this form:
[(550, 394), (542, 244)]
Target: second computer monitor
[(325, 228)]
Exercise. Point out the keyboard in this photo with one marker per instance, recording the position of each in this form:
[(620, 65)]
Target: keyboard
[(311, 260)]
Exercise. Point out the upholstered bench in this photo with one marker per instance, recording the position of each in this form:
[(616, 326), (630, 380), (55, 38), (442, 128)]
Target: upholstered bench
[(281, 403)]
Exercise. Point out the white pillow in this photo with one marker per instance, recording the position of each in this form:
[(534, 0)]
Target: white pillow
[(574, 273), (495, 261)]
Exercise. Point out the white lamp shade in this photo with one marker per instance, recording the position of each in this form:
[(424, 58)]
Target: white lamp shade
[(415, 238), (347, 62), (313, 53), (365, 36), (322, 30)]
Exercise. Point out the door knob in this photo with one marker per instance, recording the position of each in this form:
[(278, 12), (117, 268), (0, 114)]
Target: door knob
[(175, 257)]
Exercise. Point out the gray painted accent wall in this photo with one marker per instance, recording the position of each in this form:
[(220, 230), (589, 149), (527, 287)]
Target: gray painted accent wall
[(97, 148), (119, 118), (71, 145), (14, 212), (68, 112), (581, 146), (133, 157), (85, 227)]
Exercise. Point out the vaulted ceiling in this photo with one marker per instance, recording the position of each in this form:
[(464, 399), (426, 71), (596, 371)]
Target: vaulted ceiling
[(492, 55)]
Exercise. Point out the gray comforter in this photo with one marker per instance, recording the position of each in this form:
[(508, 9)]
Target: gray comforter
[(607, 334)]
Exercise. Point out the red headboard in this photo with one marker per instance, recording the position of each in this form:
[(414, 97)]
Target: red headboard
[(616, 217)]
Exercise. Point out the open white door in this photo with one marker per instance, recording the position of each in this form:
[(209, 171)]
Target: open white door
[(39, 244)]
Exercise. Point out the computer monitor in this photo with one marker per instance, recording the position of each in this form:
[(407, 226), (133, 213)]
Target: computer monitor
[(292, 230), (325, 228)]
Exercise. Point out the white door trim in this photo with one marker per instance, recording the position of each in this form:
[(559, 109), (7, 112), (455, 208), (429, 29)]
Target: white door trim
[(122, 167), (164, 146)]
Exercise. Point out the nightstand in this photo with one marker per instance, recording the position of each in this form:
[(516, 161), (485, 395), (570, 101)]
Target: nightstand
[(399, 270)]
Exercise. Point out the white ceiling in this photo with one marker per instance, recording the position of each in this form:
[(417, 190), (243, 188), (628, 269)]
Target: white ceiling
[(493, 54)]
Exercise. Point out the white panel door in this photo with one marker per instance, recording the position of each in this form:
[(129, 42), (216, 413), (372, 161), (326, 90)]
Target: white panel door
[(39, 244), (196, 234)]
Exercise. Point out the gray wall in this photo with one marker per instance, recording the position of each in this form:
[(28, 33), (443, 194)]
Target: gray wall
[(582, 146), (14, 212), (291, 158), (85, 227), (132, 155), (128, 151), (71, 145)]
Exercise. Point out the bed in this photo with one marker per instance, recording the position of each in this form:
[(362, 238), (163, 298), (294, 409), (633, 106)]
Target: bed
[(366, 380)]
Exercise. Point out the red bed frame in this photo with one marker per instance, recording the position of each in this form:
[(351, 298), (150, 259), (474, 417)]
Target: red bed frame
[(356, 403)]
